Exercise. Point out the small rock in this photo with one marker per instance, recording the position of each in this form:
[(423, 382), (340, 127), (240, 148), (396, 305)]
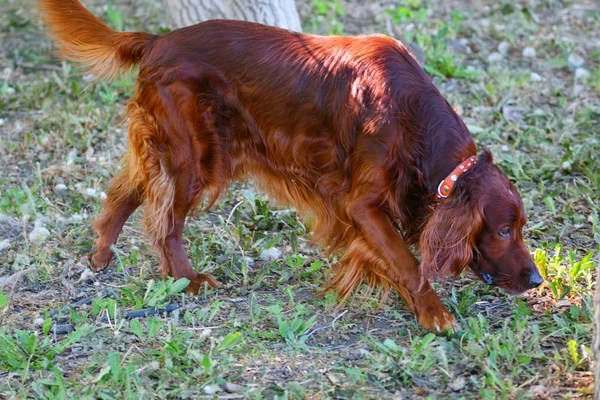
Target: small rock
[(590, 219), (538, 112), (581, 73), (38, 321), (513, 114), (575, 60), (505, 148), (75, 218), (270, 254), (333, 378), (249, 261), (60, 188), (529, 52), (10, 90), (4, 244), (71, 157), (2, 121), (39, 233), (90, 192), (86, 274), (211, 389), (503, 47), (566, 166), (456, 47), (577, 89), (494, 58), (231, 387), (535, 77), (457, 384)]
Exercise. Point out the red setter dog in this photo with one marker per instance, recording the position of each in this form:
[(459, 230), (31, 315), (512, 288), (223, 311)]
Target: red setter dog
[(348, 130)]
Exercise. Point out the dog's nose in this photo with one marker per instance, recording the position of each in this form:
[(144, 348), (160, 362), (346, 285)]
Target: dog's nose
[(535, 279)]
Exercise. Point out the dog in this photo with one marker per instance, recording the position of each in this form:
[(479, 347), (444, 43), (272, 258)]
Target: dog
[(348, 130)]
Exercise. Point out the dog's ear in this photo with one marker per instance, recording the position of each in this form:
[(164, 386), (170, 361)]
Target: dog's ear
[(448, 239)]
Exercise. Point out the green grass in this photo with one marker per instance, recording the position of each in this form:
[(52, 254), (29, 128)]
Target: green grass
[(266, 334)]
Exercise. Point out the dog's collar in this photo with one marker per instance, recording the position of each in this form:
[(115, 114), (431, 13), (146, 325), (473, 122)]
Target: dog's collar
[(445, 187)]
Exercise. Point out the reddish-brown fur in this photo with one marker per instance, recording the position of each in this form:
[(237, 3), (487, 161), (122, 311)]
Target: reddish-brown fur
[(349, 130)]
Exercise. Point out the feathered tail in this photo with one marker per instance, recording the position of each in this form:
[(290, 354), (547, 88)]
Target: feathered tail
[(83, 38)]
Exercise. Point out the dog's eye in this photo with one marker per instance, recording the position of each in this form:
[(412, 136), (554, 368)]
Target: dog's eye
[(506, 232)]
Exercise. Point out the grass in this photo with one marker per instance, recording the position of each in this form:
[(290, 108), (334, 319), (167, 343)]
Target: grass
[(67, 333)]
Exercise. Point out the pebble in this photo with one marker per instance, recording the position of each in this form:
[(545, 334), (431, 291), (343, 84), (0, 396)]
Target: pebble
[(575, 60), (231, 387), (581, 73), (503, 47), (90, 192), (39, 233), (249, 261), (39, 321), (577, 89), (529, 52), (458, 384), (538, 112), (4, 244), (71, 157), (2, 121), (60, 187), (566, 166), (211, 389), (270, 254), (75, 218), (505, 148), (494, 57)]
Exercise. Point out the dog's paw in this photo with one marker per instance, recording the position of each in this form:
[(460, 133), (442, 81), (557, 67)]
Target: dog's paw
[(197, 283), (439, 322), (99, 260)]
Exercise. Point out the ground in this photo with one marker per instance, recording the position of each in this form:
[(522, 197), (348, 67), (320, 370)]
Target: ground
[(526, 78)]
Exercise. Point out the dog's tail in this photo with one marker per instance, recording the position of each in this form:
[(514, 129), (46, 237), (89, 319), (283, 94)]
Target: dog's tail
[(83, 38)]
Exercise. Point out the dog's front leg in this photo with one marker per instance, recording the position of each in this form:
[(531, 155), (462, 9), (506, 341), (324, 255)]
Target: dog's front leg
[(399, 265)]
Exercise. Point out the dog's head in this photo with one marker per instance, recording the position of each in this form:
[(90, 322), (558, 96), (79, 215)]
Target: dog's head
[(480, 225)]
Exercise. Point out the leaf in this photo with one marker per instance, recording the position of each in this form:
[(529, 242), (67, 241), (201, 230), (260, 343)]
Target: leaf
[(3, 301), (427, 339), (550, 203), (114, 361), (275, 309), (47, 325), (207, 364), (572, 344), (103, 372), (230, 341), (178, 286), (136, 328)]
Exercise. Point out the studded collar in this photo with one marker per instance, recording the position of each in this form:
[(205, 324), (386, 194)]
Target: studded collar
[(445, 187)]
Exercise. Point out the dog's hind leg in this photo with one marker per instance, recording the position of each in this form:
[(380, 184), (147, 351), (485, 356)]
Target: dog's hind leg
[(168, 239), (123, 198), (187, 162)]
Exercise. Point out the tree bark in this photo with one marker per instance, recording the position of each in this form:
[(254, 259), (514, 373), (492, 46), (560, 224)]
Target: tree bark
[(280, 13)]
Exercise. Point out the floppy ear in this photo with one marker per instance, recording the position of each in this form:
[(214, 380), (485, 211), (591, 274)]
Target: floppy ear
[(448, 239)]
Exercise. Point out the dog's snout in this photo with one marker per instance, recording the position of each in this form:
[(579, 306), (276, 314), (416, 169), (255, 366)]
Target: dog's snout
[(535, 279)]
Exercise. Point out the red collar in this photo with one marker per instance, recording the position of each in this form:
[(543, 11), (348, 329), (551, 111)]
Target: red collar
[(445, 187)]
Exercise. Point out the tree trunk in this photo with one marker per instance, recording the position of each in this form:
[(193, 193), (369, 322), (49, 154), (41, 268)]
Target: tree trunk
[(281, 13)]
